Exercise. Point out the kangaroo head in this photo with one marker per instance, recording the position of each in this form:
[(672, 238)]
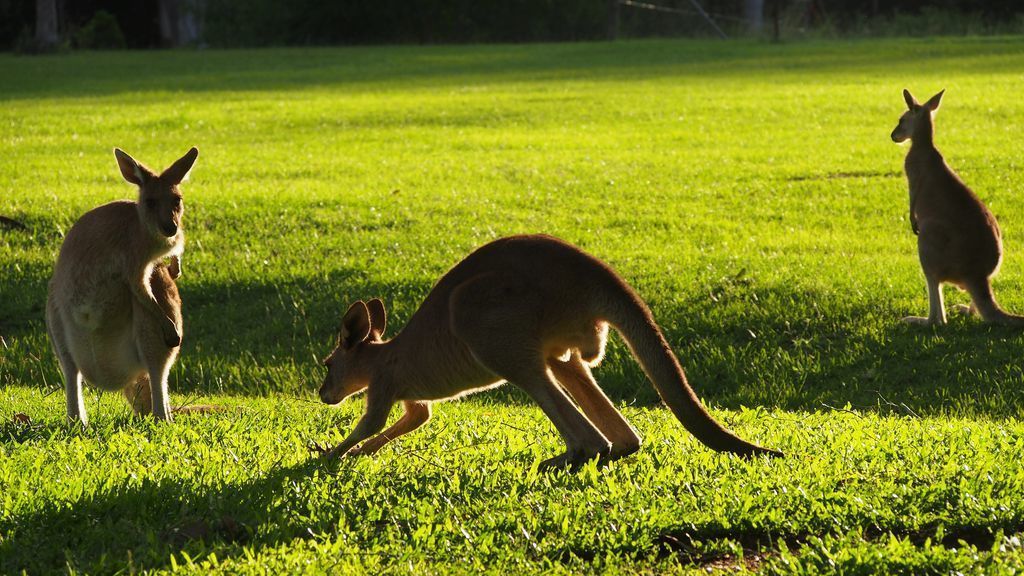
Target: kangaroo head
[(349, 366), (915, 115), (160, 205)]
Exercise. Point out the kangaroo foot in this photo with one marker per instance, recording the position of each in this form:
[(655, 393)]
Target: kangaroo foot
[(964, 310), (922, 321), (622, 450), (574, 459)]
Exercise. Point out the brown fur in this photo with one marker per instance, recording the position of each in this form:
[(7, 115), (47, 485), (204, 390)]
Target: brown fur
[(531, 310), (113, 311), (958, 239)]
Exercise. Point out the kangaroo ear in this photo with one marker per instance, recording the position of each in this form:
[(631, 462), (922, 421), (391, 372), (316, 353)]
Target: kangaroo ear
[(131, 170), (378, 317), (355, 325), (933, 103), (178, 172), (911, 102)]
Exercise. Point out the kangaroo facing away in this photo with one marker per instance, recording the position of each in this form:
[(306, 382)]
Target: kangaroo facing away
[(958, 239), (531, 310), (113, 311)]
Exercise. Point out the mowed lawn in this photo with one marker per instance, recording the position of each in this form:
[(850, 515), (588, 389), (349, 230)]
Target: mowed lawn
[(748, 191)]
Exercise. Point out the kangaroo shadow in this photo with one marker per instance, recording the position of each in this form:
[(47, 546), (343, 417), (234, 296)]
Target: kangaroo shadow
[(246, 337), (260, 337), (147, 519), (142, 523), (834, 353), (964, 368)]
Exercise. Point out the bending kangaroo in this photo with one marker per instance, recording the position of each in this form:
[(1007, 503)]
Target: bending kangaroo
[(958, 239), (531, 310), (113, 311)]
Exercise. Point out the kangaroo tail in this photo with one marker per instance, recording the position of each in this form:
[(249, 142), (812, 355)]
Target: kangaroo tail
[(985, 303), (633, 319)]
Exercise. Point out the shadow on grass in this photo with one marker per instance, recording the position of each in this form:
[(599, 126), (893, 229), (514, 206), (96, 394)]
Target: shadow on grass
[(834, 353), (142, 523), (900, 369), (244, 337), (756, 542), (360, 68), (139, 526), (751, 346)]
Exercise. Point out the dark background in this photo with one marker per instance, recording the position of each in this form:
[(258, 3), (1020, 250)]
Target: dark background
[(319, 22)]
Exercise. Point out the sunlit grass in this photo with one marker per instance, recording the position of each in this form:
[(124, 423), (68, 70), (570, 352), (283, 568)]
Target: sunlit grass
[(748, 191)]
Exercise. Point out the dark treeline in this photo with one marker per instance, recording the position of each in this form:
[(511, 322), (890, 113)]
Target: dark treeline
[(156, 23)]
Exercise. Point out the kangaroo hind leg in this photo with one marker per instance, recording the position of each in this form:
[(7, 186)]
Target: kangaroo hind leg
[(498, 318), (574, 375), (936, 307), (72, 377), (583, 440)]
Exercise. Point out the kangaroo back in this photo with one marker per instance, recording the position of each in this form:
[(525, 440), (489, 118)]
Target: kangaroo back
[(633, 319)]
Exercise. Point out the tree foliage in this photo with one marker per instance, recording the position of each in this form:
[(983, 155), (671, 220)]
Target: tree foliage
[(323, 22)]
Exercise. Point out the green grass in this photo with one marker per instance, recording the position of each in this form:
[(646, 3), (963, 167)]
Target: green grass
[(748, 191)]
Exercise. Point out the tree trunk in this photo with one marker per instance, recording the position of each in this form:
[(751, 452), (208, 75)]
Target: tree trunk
[(775, 20), (753, 14), (169, 12), (188, 27), (180, 21), (46, 24), (613, 19)]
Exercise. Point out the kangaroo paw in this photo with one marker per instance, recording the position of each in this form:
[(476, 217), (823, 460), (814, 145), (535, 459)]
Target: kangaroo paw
[(174, 267), (327, 453), (336, 453), (172, 338), (364, 450)]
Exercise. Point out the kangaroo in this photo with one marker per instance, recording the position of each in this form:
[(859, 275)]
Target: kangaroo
[(958, 239), (113, 311), (531, 310)]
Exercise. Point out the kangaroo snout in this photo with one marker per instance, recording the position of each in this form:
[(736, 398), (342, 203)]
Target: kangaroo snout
[(325, 395)]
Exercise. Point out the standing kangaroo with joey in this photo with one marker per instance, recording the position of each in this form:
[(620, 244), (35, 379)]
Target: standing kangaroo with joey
[(113, 311), (958, 239), (530, 310)]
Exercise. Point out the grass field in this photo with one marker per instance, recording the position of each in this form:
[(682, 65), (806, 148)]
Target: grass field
[(749, 192)]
